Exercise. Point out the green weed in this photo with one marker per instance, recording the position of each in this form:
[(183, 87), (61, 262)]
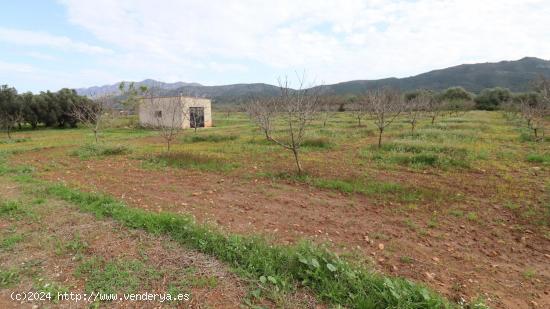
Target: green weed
[(97, 150), (212, 138), (8, 277), (114, 276), (203, 162), (9, 242)]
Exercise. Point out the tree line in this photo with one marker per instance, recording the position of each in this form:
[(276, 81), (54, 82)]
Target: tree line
[(49, 109), (284, 119)]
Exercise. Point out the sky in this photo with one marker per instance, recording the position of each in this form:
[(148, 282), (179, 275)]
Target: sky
[(48, 45)]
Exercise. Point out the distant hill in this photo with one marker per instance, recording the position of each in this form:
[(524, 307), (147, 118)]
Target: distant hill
[(515, 75), (108, 89)]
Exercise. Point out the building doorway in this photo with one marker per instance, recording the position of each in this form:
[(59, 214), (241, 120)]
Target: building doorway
[(196, 117)]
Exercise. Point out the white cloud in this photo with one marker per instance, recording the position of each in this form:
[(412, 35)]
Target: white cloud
[(38, 38), (9, 67), (332, 40)]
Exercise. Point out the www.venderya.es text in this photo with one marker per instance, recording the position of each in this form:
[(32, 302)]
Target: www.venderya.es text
[(94, 297)]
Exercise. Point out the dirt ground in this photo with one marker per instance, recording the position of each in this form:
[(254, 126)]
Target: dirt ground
[(492, 257), (42, 257)]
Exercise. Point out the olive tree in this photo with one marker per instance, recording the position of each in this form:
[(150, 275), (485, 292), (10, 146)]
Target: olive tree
[(456, 100), (289, 114), (11, 112)]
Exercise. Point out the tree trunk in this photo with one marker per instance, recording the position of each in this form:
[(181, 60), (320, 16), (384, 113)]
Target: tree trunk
[(359, 118), (413, 125), (380, 138), (168, 146), (433, 120), (8, 131), (298, 166), (95, 136)]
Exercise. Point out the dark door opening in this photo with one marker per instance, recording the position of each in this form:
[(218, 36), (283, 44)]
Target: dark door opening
[(196, 117)]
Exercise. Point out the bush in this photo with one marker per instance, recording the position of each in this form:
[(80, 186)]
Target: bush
[(491, 99)]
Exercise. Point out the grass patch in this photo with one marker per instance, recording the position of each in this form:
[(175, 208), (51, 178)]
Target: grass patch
[(115, 276), (318, 142), (98, 150), (373, 188), (308, 143), (14, 141), (9, 242), (330, 277), (52, 289), (472, 216), (420, 155), (212, 138), (378, 189), (13, 210), (8, 277), (406, 259), (199, 161), (539, 158)]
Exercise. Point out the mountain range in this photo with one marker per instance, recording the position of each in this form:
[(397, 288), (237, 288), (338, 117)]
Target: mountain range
[(514, 75)]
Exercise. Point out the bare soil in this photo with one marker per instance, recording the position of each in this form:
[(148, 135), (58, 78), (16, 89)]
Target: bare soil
[(495, 256)]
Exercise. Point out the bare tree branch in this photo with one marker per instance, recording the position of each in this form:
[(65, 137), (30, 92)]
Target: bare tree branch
[(384, 106), (294, 108)]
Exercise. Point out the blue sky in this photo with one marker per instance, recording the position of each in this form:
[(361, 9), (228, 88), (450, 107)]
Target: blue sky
[(79, 43)]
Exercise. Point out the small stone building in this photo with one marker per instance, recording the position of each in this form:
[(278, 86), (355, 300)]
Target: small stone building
[(177, 111)]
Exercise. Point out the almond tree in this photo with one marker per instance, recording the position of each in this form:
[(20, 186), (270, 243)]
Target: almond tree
[(535, 108), (93, 114), (415, 108), (361, 109), (294, 110), (170, 113), (383, 106), (434, 106), (325, 108)]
